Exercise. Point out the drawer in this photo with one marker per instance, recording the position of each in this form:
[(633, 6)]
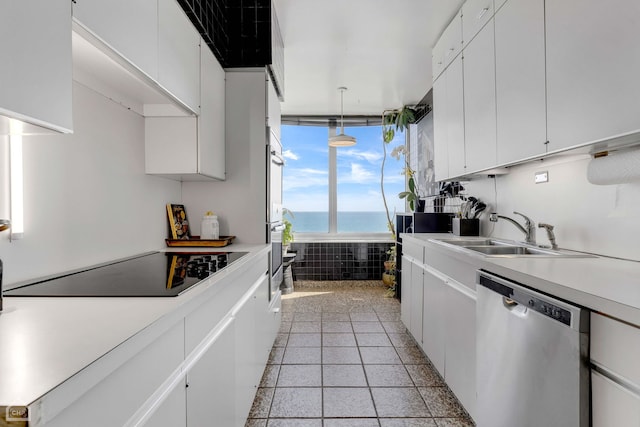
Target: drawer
[(448, 46), (413, 250), (616, 346), (475, 15), (612, 404)]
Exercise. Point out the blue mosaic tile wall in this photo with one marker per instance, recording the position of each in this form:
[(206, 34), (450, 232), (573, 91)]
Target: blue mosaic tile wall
[(339, 261)]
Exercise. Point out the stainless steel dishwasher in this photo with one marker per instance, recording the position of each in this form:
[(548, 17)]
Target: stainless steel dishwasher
[(532, 357)]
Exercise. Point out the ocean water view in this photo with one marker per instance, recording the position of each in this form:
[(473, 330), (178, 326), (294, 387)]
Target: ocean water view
[(348, 222)]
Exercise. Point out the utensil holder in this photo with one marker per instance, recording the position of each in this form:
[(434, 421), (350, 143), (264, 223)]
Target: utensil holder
[(466, 226)]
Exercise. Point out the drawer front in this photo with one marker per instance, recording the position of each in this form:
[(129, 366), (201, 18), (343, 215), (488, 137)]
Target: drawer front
[(475, 15), (204, 318), (616, 346), (460, 271), (613, 405), (413, 250)]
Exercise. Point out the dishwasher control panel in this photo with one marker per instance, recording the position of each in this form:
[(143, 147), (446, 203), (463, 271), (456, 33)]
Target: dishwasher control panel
[(527, 299)]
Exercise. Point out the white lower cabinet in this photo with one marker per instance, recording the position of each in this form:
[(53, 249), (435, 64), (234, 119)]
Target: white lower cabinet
[(405, 292), (172, 411), (612, 404), (615, 380), (417, 290), (433, 318), (210, 381), (460, 342)]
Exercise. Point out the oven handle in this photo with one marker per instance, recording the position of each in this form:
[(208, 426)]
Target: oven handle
[(276, 159), (277, 228)]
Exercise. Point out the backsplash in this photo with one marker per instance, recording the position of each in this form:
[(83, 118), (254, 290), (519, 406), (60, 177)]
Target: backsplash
[(600, 219), (339, 261)]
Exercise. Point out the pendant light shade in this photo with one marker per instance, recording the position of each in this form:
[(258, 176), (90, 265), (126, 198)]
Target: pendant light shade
[(342, 140)]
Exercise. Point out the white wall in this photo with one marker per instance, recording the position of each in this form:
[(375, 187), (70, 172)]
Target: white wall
[(87, 199), (603, 220), (239, 201)]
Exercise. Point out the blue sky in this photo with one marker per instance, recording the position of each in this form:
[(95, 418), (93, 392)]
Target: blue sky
[(306, 174)]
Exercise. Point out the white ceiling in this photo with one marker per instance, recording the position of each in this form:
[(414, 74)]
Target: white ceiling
[(379, 49)]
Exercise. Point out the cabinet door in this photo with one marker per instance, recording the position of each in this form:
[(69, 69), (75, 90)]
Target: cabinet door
[(448, 46), (36, 65), (129, 27), (460, 343), (211, 381), (178, 54), (406, 285), (433, 330), (211, 146), (592, 70), (455, 118), (173, 410), (520, 80), (416, 302), (440, 129), (480, 101), (475, 15), (612, 404)]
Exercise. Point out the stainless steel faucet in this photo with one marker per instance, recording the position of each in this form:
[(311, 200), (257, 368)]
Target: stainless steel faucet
[(529, 229), (550, 235)]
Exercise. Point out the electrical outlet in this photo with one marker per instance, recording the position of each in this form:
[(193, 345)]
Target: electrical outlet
[(541, 177)]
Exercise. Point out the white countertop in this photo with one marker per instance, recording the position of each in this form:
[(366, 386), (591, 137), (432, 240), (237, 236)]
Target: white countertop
[(44, 341), (607, 285)]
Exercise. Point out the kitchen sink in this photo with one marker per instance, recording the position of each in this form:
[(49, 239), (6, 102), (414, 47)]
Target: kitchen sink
[(507, 248), (511, 250)]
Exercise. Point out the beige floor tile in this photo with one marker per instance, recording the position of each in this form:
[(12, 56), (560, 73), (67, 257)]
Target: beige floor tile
[(399, 402), (341, 355), (336, 327), (300, 376), (368, 327), (335, 317), (441, 402), (305, 327), (407, 422), (387, 376), (343, 376), (297, 403), (348, 402), (261, 403), (372, 340), (302, 356), (338, 340), (364, 317), (304, 340), (379, 355)]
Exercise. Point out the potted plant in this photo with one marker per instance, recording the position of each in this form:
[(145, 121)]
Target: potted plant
[(389, 274), (392, 121), (287, 234)]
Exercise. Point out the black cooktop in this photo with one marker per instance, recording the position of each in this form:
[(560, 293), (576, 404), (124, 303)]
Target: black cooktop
[(158, 274)]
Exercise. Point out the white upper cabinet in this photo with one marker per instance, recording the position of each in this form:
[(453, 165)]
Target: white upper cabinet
[(128, 27), (455, 118), (191, 148), (178, 54), (440, 146), (448, 46), (475, 15), (211, 130), (593, 69), (35, 69), (520, 80), (480, 101)]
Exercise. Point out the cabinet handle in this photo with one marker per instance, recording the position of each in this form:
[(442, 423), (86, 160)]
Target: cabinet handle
[(482, 12)]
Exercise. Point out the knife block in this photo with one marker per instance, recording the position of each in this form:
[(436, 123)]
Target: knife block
[(466, 226)]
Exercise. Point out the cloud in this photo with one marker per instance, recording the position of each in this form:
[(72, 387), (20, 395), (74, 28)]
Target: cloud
[(288, 154), (368, 155), (304, 178)]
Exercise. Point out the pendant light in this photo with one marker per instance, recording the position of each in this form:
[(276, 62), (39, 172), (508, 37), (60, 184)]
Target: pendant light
[(342, 140)]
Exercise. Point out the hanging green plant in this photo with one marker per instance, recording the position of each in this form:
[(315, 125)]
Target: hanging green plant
[(392, 121)]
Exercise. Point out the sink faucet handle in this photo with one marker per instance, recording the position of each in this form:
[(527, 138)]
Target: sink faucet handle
[(550, 234), (526, 218)]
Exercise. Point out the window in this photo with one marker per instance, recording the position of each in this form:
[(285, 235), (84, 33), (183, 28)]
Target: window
[(307, 189)]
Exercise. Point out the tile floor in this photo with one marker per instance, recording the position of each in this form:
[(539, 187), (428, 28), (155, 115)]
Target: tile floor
[(344, 359)]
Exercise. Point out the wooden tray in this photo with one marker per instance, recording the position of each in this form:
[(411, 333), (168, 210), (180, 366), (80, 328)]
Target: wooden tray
[(195, 241)]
